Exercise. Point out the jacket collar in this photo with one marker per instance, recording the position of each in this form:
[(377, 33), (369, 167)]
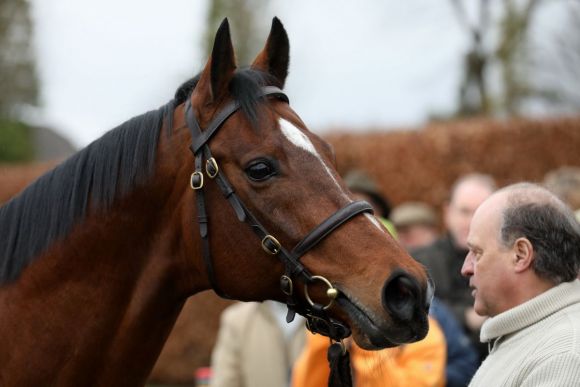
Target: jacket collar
[(532, 311)]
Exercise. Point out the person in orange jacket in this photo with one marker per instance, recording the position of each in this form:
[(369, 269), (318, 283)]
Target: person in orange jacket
[(420, 364)]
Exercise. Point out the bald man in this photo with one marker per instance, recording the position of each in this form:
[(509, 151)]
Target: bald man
[(523, 260)]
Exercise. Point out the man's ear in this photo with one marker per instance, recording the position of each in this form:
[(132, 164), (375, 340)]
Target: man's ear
[(523, 254)]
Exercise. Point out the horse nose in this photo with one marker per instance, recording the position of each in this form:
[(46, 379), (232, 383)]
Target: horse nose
[(402, 296)]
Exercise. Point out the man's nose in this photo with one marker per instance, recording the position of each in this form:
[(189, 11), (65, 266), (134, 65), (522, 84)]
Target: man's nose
[(467, 268)]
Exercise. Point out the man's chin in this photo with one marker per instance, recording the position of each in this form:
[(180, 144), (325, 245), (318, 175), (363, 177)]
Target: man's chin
[(478, 308)]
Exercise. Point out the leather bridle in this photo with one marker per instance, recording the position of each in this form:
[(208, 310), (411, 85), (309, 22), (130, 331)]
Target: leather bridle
[(317, 319)]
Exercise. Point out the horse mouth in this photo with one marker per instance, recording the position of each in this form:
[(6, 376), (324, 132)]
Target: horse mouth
[(370, 335)]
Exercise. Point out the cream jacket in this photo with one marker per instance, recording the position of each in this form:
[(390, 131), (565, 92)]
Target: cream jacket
[(253, 349), (535, 344)]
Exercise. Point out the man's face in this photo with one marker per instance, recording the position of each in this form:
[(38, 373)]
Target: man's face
[(465, 200), (487, 264)]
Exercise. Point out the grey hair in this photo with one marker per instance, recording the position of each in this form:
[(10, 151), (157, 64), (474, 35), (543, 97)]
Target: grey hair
[(536, 214)]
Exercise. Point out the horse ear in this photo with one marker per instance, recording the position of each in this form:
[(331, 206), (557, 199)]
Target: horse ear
[(275, 56), (222, 63)]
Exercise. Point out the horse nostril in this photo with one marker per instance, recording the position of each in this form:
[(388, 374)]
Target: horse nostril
[(400, 296)]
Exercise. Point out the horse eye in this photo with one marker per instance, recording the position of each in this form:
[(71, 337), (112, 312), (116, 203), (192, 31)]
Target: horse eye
[(260, 170)]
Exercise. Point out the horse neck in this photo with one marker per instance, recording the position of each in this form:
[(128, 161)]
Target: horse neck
[(107, 296)]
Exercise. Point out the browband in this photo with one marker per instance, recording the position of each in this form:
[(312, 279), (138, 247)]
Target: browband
[(201, 139)]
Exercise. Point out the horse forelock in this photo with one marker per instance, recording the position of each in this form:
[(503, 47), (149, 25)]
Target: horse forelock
[(245, 88)]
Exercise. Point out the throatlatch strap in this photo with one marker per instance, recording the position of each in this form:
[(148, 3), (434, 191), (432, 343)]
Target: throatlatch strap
[(202, 217)]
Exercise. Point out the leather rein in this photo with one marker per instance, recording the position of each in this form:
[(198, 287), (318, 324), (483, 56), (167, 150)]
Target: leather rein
[(317, 320)]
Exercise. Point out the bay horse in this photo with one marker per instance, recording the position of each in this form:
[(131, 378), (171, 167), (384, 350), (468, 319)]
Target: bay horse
[(99, 254)]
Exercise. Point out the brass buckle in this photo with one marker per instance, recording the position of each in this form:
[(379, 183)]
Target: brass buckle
[(195, 185), (286, 285), (331, 292), (211, 168), (275, 249)]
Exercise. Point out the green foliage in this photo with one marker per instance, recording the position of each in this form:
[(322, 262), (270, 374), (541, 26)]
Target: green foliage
[(18, 79), (15, 142)]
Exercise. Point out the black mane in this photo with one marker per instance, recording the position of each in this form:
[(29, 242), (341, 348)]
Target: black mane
[(96, 176)]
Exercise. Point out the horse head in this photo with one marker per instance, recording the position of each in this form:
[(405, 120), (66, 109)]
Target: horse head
[(255, 161)]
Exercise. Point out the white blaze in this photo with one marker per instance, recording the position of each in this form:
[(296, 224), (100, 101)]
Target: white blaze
[(298, 138)]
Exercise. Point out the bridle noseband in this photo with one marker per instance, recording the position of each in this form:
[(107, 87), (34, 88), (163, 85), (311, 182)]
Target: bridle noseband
[(317, 319)]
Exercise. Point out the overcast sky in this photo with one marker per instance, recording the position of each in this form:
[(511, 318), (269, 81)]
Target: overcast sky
[(355, 64)]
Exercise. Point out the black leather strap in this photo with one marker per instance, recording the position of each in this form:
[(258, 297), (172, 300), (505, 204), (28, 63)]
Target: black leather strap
[(202, 216), (329, 225)]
